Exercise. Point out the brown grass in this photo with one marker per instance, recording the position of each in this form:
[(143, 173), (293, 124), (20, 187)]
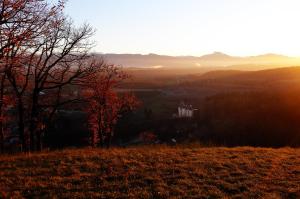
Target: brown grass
[(158, 172)]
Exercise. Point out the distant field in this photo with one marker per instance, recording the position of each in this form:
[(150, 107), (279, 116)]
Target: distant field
[(158, 172)]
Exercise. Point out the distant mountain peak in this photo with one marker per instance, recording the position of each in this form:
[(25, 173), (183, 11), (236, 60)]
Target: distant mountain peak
[(216, 56), (271, 55), (219, 53)]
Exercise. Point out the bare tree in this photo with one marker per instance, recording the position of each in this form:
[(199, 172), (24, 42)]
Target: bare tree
[(41, 52), (21, 22), (62, 60)]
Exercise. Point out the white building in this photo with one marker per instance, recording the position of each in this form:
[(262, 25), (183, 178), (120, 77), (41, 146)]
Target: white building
[(185, 111)]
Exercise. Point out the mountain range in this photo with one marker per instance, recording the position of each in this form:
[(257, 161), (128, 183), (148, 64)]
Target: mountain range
[(216, 59)]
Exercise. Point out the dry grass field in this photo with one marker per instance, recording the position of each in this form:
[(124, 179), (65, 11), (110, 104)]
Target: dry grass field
[(153, 172)]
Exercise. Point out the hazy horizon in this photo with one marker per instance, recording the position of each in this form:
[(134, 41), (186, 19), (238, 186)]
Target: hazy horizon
[(200, 55), (195, 28)]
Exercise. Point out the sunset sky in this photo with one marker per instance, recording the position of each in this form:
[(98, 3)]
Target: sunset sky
[(192, 27)]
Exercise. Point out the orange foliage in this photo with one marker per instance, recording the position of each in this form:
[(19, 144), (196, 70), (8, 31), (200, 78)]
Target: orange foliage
[(105, 104)]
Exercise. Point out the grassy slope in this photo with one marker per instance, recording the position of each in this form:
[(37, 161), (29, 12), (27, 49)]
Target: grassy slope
[(159, 172)]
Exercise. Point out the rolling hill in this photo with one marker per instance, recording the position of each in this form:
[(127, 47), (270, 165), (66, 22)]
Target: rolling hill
[(288, 76)]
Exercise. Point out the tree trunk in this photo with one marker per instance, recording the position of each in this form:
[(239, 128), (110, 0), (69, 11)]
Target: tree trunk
[(39, 146), (1, 138), (1, 114), (22, 135), (101, 136), (34, 138), (94, 139), (108, 140), (100, 131)]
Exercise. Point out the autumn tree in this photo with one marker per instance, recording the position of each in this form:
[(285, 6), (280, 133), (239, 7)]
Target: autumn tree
[(44, 56), (106, 105), (42, 53), (21, 22)]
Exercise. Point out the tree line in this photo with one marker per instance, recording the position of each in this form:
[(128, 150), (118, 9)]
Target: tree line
[(262, 118)]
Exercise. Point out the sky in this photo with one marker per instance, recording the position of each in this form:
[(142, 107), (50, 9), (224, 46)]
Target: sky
[(191, 27)]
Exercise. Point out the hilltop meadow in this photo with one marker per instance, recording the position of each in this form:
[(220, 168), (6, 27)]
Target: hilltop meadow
[(189, 171)]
